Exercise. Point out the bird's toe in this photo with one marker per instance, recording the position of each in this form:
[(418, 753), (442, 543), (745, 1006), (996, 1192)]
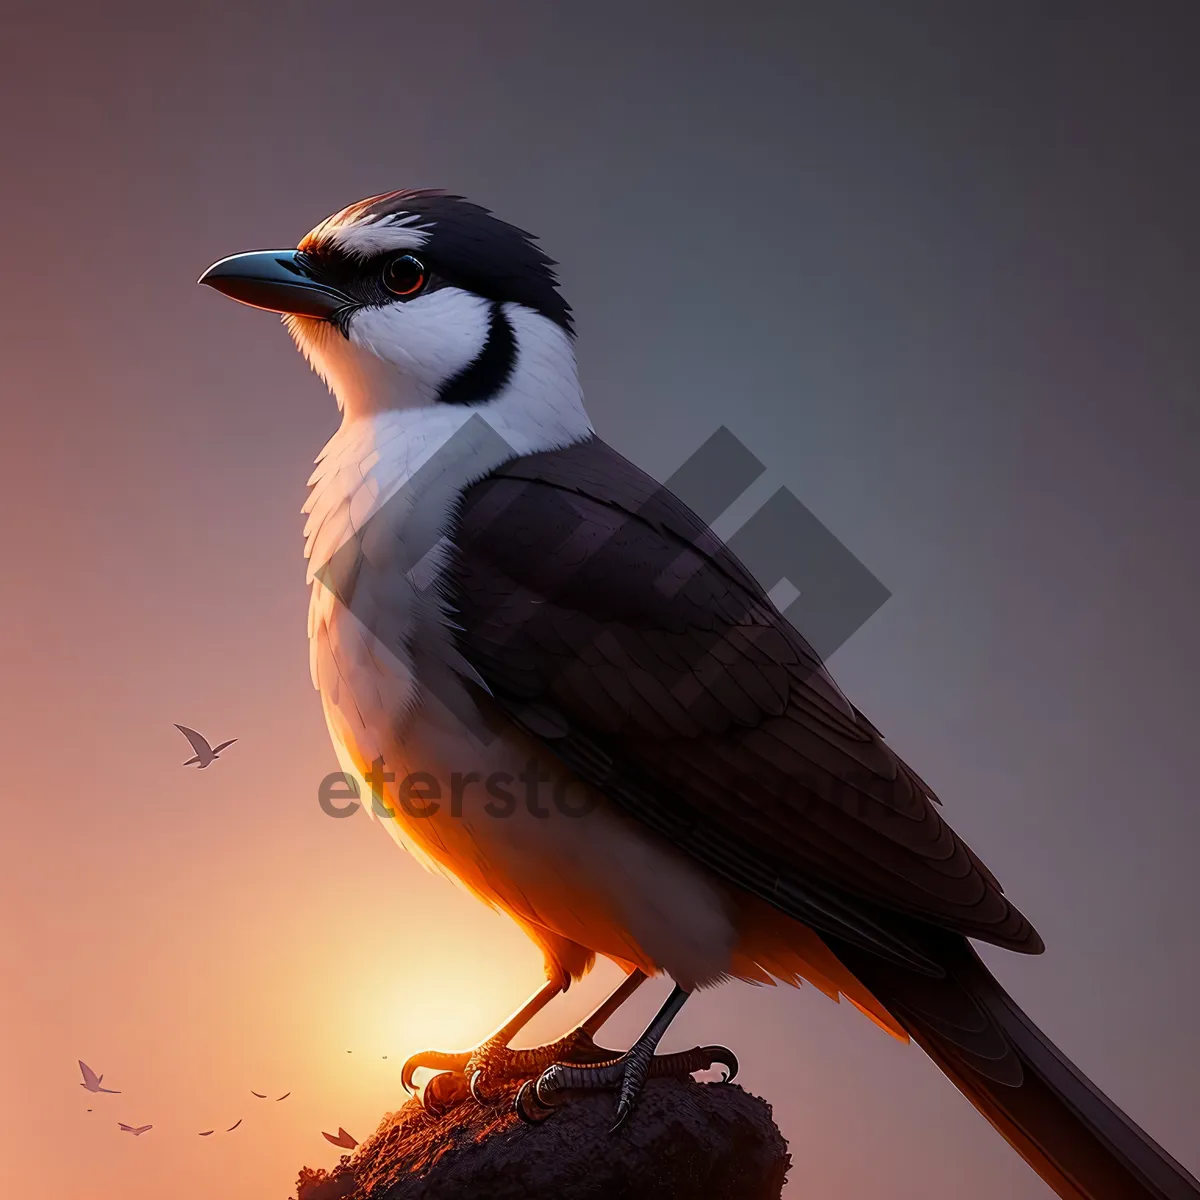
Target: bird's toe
[(432, 1060), (443, 1092)]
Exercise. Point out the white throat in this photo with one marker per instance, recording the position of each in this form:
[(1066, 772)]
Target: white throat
[(395, 436)]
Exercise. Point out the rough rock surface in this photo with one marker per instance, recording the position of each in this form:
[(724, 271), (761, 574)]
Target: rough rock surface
[(685, 1141)]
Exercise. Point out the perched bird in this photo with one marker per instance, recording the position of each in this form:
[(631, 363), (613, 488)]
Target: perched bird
[(342, 1138), (205, 754), (499, 596), (136, 1130), (91, 1081)]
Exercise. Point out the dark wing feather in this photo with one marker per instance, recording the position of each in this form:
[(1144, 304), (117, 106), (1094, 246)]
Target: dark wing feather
[(605, 618)]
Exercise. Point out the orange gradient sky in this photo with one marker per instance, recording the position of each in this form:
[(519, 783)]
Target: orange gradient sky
[(937, 272)]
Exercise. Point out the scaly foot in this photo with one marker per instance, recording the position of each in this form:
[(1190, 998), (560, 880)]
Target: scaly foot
[(625, 1073), (492, 1069)]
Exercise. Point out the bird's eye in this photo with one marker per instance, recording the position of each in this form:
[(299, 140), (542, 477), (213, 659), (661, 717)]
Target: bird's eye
[(405, 276)]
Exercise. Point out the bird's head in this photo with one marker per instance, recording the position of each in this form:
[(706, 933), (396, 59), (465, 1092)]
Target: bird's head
[(410, 299)]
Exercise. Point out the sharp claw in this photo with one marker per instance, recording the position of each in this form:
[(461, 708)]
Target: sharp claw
[(477, 1094), (528, 1107), (624, 1108), (443, 1092), (726, 1058), (435, 1060)]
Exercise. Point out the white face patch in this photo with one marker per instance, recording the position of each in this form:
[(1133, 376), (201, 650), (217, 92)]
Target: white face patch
[(431, 339), (398, 355)]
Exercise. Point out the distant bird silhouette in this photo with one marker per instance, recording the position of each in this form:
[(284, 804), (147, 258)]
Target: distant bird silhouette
[(208, 1133), (258, 1094), (342, 1139), (92, 1081), (136, 1130), (234, 1125), (283, 1097), (205, 754)]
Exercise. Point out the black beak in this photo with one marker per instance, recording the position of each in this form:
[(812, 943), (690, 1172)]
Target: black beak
[(275, 280)]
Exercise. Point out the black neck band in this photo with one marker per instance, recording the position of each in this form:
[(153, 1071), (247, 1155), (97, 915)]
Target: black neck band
[(484, 377)]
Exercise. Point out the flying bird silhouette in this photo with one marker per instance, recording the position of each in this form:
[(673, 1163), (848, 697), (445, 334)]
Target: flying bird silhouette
[(260, 1095), (136, 1130), (283, 1097), (92, 1081), (205, 754), (208, 1133), (234, 1125), (342, 1139)]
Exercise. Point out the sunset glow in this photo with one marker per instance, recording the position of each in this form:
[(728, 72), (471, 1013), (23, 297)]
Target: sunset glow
[(937, 275)]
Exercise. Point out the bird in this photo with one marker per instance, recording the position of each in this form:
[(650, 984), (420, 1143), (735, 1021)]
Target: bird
[(205, 754), (341, 1138), (136, 1130), (260, 1095), (283, 1097), (497, 595), (234, 1125), (207, 1133), (91, 1081)]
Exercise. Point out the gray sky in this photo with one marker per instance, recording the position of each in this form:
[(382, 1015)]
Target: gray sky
[(935, 264)]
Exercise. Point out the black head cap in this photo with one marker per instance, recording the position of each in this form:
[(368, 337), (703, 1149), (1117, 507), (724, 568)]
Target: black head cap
[(468, 247)]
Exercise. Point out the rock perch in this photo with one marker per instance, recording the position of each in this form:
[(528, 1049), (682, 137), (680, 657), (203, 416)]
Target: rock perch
[(685, 1141)]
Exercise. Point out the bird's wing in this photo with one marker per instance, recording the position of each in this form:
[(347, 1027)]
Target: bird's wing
[(283, 1097), (142, 1129), (223, 745), (260, 1095), (90, 1078), (108, 1091), (198, 741), (234, 1125), (208, 1133), (126, 1128), (607, 620)]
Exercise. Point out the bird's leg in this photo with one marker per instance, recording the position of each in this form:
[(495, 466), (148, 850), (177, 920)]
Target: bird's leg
[(454, 1087), (490, 1070), (498, 1065), (627, 1073)]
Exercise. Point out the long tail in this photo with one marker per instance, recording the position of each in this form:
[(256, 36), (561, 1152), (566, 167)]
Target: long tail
[(1064, 1127)]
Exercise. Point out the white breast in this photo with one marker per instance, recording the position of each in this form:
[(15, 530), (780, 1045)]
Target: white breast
[(382, 494), (381, 498)]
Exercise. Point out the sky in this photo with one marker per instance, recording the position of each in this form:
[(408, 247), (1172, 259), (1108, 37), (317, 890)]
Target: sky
[(934, 264)]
